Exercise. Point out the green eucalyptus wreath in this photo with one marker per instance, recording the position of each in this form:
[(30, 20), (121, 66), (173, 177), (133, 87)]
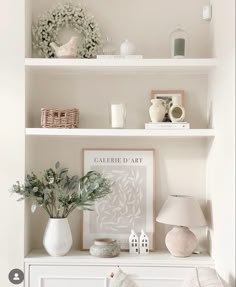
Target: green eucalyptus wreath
[(46, 30)]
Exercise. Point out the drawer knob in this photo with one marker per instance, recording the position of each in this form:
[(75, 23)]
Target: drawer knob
[(112, 275)]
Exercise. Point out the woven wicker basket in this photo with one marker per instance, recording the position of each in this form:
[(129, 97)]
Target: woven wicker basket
[(53, 118)]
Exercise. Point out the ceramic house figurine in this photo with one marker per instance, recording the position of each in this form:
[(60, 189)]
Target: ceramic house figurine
[(133, 243), (144, 243)]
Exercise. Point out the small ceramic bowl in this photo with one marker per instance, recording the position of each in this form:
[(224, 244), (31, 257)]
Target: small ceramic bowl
[(105, 248)]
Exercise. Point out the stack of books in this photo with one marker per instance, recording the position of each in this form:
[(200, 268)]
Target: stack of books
[(167, 125)]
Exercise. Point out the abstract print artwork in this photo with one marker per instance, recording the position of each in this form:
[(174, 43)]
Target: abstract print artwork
[(130, 205)]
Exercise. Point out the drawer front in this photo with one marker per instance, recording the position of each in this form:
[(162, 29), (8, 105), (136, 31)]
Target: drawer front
[(158, 276), (68, 276), (99, 276)]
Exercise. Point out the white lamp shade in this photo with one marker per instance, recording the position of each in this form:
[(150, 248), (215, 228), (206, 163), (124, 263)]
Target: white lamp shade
[(181, 211)]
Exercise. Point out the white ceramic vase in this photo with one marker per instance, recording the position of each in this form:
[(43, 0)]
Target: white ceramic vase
[(177, 114), (157, 110), (127, 48), (176, 110), (57, 237)]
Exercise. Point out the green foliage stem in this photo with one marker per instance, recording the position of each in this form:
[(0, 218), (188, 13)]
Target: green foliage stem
[(60, 194)]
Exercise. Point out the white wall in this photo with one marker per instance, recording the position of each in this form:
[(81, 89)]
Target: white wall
[(12, 135), (221, 168)]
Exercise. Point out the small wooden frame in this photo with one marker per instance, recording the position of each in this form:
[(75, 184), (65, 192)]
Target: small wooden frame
[(163, 94)]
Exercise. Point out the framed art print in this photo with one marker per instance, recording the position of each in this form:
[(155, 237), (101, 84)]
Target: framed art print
[(131, 203)]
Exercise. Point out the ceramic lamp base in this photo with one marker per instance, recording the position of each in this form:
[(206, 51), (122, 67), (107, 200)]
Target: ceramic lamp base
[(181, 242)]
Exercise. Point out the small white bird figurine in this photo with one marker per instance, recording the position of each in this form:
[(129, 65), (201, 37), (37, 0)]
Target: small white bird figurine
[(68, 50)]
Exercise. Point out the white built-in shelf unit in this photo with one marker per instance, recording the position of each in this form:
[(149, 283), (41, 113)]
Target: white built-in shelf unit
[(90, 85)]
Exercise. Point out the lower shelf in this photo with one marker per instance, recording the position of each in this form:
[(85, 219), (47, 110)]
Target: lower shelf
[(152, 259), (188, 133)]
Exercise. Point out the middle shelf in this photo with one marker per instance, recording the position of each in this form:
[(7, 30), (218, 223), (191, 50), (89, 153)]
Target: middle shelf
[(123, 66), (188, 133)]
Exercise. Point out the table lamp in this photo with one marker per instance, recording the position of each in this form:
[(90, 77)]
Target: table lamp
[(182, 212)]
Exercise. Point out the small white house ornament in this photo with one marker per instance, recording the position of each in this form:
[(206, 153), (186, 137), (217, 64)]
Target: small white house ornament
[(144, 243), (133, 243)]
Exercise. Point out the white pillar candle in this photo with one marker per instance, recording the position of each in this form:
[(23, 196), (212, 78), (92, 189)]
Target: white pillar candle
[(117, 116)]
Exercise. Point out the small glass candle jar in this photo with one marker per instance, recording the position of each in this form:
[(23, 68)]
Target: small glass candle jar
[(179, 43), (117, 115), (108, 47)]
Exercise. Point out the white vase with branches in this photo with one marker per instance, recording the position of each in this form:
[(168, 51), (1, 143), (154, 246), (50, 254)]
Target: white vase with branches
[(59, 195)]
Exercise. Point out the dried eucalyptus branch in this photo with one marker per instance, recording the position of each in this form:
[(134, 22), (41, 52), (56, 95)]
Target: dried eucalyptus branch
[(59, 194)]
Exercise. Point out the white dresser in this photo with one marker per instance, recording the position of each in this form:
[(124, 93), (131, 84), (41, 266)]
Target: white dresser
[(81, 269)]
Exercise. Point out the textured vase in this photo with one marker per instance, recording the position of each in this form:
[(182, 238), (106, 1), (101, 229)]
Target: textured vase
[(177, 114), (176, 110), (181, 242), (57, 237), (105, 248)]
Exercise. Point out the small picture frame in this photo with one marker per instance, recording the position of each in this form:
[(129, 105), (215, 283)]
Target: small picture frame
[(167, 95)]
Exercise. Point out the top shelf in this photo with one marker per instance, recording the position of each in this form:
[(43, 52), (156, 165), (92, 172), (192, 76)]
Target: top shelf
[(120, 66)]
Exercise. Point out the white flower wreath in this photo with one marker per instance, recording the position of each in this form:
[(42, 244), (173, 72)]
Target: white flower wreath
[(48, 26)]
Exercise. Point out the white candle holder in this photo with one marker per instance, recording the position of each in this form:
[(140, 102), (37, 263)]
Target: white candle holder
[(179, 43), (117, 115)]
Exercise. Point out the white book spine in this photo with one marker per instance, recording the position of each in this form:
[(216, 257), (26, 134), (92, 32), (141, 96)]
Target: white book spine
[(151, 126), (119, 57)]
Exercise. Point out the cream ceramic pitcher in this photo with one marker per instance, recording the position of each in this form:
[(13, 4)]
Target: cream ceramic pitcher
[(157, 110)]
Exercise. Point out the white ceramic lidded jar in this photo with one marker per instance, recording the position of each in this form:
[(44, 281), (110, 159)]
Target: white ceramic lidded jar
[(157, 110), (127, 48)]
